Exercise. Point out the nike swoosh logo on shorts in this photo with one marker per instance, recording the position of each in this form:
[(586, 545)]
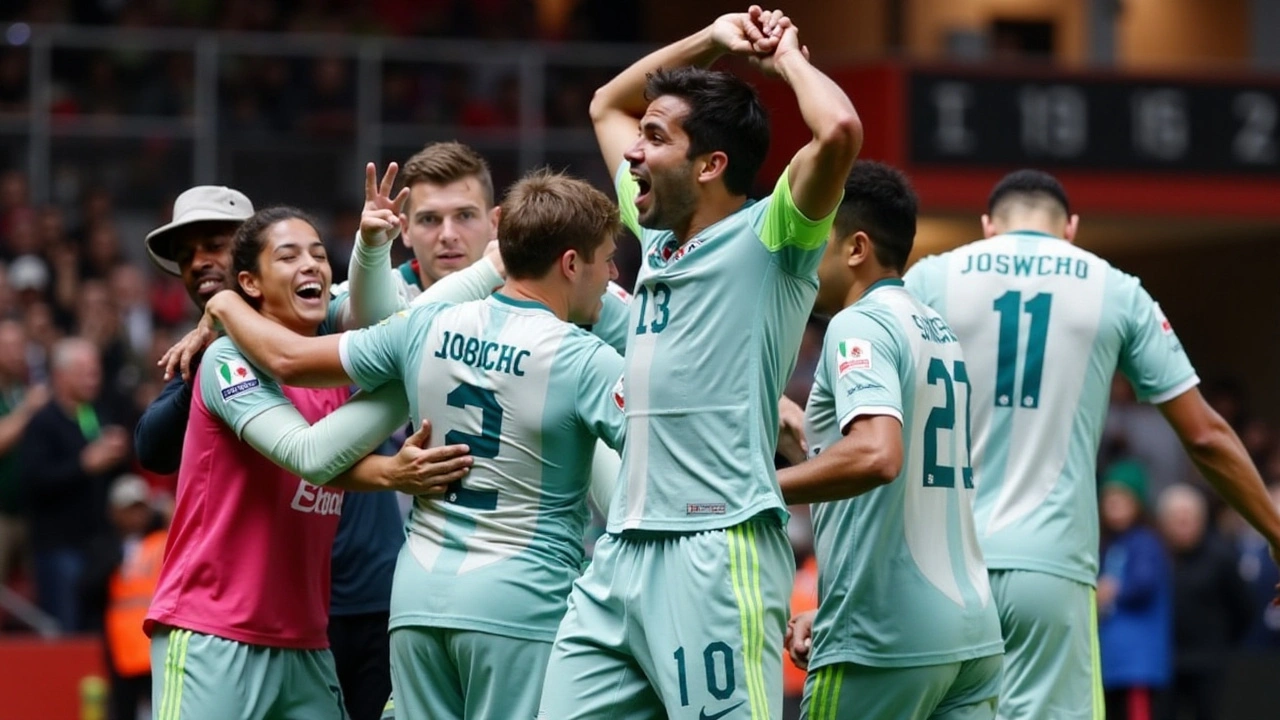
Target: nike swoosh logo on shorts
[(702, 714)]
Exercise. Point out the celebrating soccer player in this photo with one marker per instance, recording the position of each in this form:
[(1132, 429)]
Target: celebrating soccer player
[(724, 290), (905, 626), (1044, 325), (238, 620), (483, 580)]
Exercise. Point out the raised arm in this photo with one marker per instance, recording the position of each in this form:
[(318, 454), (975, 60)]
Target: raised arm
[(818, 171), (616, 108), (291, 358), (373, 294)]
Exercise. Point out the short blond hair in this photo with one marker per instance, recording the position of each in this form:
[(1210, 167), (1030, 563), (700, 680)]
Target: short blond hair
[(443, 163), (546, 214)]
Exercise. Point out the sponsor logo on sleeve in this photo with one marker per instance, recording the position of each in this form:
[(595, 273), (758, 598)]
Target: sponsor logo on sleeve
[(619, 292), (234, 378), (853, 354)]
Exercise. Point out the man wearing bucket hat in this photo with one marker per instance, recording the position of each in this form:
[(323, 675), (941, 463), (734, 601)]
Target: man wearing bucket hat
[(196, 246)]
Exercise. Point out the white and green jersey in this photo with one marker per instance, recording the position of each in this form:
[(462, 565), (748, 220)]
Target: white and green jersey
[(1044, 326), (529, 394), (905, 555), (714, 330)]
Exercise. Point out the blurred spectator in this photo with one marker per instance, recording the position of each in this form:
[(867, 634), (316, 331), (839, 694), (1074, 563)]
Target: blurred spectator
[(42, 334), (19, 401), (28, 279), (131, 291), (1259, 572), (1211, 605), (1135, 599), (71, 450), (1139, 430), (120, 578)]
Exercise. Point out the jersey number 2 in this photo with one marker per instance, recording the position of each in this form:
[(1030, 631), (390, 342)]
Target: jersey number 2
[(484, 445), (946, 418)]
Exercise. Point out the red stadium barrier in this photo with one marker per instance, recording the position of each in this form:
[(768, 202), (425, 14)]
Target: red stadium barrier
[(42, 678)]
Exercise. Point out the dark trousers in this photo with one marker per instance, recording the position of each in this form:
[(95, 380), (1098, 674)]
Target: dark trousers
[(1196, 695), (126, 694), (1137, 703), (58, 574), (362, 654)]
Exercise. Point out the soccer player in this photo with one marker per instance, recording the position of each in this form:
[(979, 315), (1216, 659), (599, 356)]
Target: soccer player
[(449, 218), (1044, 326), (724, 290), (888, 430), (238, 620), (483, 580), (196, 246)]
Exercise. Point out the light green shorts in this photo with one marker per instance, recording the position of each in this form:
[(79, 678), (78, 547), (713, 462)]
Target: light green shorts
[(446, 674), (204, 677), (676, 625), (952, 691), (1051, 666)]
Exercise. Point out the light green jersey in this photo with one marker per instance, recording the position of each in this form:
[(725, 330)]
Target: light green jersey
[(714, 330), (1044, 326), (904, 556), (529, 394)]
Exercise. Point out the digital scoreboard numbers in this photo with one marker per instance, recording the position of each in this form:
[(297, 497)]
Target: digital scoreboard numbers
[(1108, 124)]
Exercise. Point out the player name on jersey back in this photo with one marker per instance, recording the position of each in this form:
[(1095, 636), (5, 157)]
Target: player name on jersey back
[(482, 354), (1026, 265)]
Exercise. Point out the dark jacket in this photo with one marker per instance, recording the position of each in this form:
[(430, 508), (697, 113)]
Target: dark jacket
[(67, 505), (1212, 608)]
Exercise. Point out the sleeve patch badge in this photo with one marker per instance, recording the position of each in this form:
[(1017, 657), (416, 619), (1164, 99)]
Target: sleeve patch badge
[(234, 378), (619, 397), (853, 354), (1166, 327)]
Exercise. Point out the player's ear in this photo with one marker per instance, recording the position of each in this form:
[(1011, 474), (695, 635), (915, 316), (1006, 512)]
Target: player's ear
[(494, 216), (988, 227), (404, 231), (859, 249), (1073, 225), (569, 263), (249, 282), (712, 165)]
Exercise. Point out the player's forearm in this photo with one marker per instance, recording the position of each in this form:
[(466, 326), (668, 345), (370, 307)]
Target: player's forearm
[(845, 470), (290, 358), (372, 296), (162, 429), (474, 283), (625, 92), (372, 473), (1225, 463), (826, 109), (321, 452)]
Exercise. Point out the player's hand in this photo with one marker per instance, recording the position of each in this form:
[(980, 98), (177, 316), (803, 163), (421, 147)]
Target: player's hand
[(791, 443), (743, 33), (380, 219), (799, 638), (187, 351), (111, 447), (788, 44), (419, 470)]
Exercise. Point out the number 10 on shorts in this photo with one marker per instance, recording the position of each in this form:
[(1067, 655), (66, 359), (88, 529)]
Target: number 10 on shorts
[(717, 660)]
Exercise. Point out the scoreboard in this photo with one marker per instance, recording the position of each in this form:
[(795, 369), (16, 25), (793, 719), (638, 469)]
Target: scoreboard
[(1122, 144), (1101, 124)]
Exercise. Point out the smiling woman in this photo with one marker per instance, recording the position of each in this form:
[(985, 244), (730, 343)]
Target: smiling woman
[(282, 269)]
